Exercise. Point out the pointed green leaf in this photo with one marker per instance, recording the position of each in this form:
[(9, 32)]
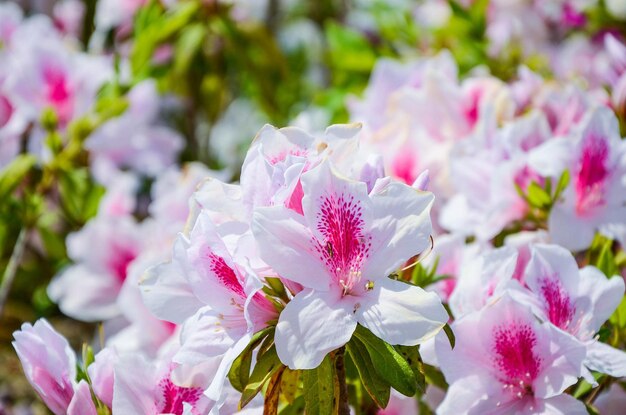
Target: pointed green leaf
[(388, 363), (376, 387), (266, 365), (318, 387)]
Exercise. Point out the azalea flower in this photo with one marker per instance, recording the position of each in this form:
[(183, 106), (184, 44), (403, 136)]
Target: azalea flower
[(214, 292), (576, 301), (341, 250), (483, 278), (515, 364), (88, 289), (595, 196), (149, 389), (45, 74), (49, 364)]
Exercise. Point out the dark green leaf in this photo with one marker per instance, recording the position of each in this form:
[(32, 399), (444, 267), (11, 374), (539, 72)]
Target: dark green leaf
[(295, 408), (450, 335), (412, 356), (376, 387), (388, 363)]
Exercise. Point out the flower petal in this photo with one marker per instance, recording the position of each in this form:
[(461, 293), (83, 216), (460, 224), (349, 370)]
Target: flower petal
[(400, 313), (310, 326), (81, 403), (284, 243), (401, 228), (606, 359)]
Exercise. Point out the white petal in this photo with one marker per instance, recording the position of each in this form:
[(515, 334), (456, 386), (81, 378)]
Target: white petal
[(284, 243), (606, 294), (167, 293), (400, 313), (202, 338), (606, 359), (84, 294), (564, 405), (214, 391), (310, 326), (568, 230), (401, 228)]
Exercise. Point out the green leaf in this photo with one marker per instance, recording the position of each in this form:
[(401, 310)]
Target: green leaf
[(80, 196), (537, 196), (239, 372), (266, 365), (13, 174), (450, 335), (434, 376), (606, 260), (188, 45), (349, 49), (583, 388), (88, 355), (318, 387), (377, 388), (277, 287), (388, 363), (561, 185), (412, 356), (295, 408), (289, 384)]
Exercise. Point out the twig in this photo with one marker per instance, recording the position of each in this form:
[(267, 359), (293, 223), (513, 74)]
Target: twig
[(11, 269), (340, 368)]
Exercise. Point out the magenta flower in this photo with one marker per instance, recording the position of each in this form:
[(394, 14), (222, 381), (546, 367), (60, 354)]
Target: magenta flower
[(516, 365), (341, 251), (595, 196)]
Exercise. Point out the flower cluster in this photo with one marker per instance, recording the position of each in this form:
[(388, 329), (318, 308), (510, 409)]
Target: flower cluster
[(456, 246)]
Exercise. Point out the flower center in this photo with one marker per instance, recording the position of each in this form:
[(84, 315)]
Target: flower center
[(591, 174), (173, 397), (515, 360), (120, 260), (559, 306), (58, 93), (345, 246), (404, 166), (224, 274)]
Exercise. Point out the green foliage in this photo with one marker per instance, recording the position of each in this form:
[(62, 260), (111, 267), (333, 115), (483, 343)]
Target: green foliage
[(388, 363), (239, 373), (319, 389), (377, 388), (267, 364), (15, 174)]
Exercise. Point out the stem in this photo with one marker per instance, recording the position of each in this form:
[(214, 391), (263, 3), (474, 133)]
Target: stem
[(340, 369), (596, 392), (11, 269)]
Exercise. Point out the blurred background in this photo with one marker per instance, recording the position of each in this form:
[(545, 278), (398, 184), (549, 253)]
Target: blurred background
[(159, 84)]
